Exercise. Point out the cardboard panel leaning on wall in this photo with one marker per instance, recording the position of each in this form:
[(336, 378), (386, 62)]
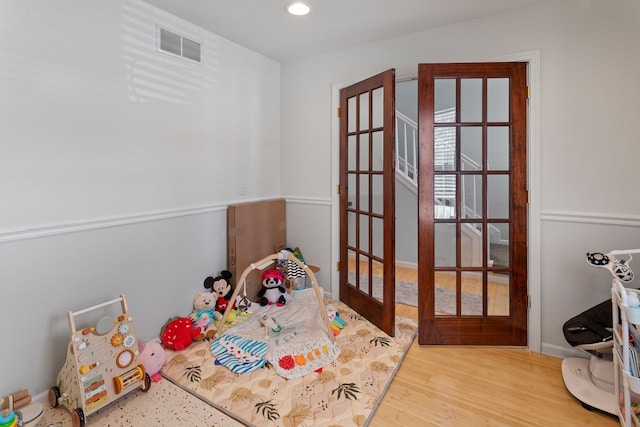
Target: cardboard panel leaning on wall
[(254, 231)]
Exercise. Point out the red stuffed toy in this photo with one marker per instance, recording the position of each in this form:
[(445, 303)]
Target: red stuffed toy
[(179, 333)]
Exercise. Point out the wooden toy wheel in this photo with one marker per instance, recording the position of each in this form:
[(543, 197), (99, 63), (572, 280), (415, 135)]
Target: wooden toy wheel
[(54, 395), (77, 418), (147, 383)]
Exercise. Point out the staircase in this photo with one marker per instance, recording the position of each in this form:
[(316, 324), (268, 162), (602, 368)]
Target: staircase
[(445, 185), (407, 150), (444, 159)]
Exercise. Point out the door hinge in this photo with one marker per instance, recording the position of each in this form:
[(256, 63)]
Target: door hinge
[(338, 266), (338, 112), (338, 189), (529, 301), (528, 92)]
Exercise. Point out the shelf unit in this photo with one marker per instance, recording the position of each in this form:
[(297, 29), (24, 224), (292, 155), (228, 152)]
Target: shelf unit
[(625, 383)]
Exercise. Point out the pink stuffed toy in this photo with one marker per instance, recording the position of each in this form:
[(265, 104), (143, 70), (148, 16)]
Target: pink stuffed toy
[(153, 358)]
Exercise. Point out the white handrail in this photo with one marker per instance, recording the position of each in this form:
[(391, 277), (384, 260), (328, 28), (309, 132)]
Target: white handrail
[(407, 165), (406, 141)]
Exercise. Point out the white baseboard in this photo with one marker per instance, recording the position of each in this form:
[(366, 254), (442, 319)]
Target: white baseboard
[(562, 352), (405, 264), (41, 397)]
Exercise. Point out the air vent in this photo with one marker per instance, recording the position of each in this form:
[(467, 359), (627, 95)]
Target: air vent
[(176, 44)]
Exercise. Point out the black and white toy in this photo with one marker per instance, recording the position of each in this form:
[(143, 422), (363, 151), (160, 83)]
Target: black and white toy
[(619, 268), (272, 291)]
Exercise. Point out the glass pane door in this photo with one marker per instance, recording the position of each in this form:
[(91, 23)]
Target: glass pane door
[(472, 204)]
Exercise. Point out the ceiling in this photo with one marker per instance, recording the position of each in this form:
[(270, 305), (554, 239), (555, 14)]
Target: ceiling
[(264, 27)]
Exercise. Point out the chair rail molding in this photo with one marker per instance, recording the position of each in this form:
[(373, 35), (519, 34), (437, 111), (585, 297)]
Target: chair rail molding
[(98, 223), (591, 218), (308, 200)]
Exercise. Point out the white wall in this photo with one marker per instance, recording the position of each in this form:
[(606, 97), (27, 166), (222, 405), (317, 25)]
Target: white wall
[(569, 284), (407, 98), (97, 123), (588, 135), (406, 224), (406, 198), (117, 163)]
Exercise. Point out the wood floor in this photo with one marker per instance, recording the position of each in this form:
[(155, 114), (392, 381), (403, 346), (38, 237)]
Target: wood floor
[(472, 386), (498, 293), (467, 386)]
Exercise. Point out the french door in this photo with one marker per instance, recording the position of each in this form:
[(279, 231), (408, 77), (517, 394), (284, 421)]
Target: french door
[(367, 198), (472, 192)]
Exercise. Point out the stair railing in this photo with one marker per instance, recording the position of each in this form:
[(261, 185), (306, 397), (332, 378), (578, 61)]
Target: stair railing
[(444, 156), (407, 148)]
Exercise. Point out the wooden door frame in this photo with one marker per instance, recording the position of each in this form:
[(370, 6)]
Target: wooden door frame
[(532, 58)]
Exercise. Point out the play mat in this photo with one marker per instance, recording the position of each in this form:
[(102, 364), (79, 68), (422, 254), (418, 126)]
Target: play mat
[(295, 344), (353, 376)]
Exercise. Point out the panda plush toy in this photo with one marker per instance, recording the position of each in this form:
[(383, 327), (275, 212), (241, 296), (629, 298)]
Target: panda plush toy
[(272, 291)]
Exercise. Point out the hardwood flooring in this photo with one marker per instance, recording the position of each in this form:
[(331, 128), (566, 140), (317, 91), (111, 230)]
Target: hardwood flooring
[(470, 386), (474, 386)]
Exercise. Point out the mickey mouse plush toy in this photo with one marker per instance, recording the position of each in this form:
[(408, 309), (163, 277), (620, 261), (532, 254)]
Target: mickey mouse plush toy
[(221, 286), (272, 291)]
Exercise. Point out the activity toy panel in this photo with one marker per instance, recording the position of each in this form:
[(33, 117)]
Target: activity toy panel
[(102, 364)]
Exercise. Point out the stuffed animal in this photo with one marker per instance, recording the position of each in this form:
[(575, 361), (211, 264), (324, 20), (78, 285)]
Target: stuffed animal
[(178, 333), (221, 286), (272, 291), (230, 318), (337, 323), (204, 315), (153, 358)]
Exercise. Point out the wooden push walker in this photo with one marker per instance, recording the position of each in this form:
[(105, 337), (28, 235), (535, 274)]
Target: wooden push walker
[(102, 364)]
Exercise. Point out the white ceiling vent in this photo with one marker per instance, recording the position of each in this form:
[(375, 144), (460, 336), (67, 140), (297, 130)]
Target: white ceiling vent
[(175, 44)]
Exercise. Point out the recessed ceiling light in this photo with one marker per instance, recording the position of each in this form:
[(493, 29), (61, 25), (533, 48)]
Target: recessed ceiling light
[(298, 8)]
